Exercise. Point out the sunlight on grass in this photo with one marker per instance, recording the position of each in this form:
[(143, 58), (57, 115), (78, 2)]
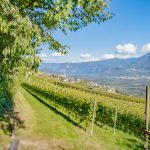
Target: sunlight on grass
[(44, 125)]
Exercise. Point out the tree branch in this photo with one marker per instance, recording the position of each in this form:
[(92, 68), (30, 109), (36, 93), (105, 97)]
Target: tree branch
[(31, 3)]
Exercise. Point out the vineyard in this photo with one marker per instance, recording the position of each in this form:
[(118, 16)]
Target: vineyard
[(93, 91), (43, 111), (77, 104)]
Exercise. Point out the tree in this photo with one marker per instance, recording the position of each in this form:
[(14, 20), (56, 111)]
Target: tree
[(26, 24)]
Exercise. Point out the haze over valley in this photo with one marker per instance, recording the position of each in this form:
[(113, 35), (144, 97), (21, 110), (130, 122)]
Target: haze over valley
[(126, 75)]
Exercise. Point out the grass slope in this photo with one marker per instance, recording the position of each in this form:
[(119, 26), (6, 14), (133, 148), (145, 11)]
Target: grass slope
[(46, 129)]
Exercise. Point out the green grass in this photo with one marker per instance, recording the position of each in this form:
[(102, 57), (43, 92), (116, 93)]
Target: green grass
[(4, 140), (46, 129)]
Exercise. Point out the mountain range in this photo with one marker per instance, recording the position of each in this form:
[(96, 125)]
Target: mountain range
[(133, 67), (128, 76)]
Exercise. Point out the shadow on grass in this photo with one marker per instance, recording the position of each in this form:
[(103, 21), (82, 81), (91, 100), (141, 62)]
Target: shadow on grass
[(134, 144), (9, 119), (138, 145), (55, 110)]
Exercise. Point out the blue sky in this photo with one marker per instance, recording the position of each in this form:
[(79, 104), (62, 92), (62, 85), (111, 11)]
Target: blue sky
[(126, 35)]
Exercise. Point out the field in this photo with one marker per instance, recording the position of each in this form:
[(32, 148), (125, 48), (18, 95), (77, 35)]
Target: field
[(45, 103), (76, 102), (45, 129)]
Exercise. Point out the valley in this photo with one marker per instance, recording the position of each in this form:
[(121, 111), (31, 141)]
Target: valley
[(128, 76)]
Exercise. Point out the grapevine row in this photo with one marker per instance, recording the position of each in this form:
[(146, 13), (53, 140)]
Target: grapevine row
[(93, 91), (77, 110), (79, 107), (122, 106)]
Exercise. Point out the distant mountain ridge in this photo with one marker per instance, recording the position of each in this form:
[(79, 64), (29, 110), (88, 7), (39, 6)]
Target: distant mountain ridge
[(113, 67)]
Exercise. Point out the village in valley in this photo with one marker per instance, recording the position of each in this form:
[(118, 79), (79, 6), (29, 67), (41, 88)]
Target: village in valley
[(84, 83)]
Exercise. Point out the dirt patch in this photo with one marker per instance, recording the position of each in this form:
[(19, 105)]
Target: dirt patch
[(53, 144)]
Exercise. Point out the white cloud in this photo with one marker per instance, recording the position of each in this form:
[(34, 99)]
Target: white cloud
[(108, 56), (43, 56), (85, 56), (56, 54), (126, 49), (125, 56), (88, 57), (146, 48)]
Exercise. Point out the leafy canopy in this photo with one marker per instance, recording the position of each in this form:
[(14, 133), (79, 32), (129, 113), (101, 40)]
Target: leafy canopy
[(26, 24)]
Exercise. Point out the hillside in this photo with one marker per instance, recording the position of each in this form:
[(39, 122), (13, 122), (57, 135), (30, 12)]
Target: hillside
[(76, 102), (126, 75), (46, 129)]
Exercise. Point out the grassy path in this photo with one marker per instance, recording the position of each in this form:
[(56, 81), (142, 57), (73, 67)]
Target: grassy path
[(47, 130)]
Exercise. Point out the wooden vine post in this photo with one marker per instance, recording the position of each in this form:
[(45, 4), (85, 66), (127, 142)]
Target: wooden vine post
[(115, 120), (146, 116), (93, 117)]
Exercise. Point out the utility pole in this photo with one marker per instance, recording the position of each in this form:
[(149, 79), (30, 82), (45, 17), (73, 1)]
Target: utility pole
[(146, 116)]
